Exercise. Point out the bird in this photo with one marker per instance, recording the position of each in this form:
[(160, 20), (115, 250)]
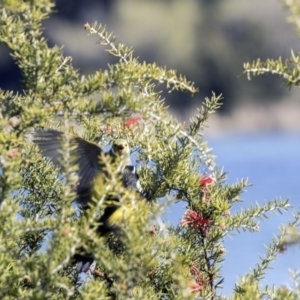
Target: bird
[(106, 223), (90, 159)]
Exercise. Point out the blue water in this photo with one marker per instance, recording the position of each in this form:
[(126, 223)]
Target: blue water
[(271, 162)]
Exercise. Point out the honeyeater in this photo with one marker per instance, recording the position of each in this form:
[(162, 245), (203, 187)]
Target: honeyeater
[(89, 158)]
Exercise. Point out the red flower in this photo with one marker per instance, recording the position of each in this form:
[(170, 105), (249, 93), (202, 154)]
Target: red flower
[(206, 180), (195, 287), (194, 220), (198, 283), (132, 121)]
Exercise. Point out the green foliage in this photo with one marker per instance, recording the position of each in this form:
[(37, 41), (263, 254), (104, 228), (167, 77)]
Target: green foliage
[(287, 70), (41, 228)]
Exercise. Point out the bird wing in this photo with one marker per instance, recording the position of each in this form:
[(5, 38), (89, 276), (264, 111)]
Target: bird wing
[(87, 157), (49, 142), (83, 153)]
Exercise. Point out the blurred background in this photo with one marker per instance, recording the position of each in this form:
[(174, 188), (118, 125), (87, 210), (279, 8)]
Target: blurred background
[(254, 135)]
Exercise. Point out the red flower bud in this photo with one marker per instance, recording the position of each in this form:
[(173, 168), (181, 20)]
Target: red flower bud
[(132, 121)]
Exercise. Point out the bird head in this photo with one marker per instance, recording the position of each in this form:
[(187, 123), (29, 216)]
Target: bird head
[(120, 148)]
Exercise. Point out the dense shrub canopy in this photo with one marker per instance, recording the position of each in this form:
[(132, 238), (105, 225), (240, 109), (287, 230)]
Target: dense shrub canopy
[(42, 228)]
